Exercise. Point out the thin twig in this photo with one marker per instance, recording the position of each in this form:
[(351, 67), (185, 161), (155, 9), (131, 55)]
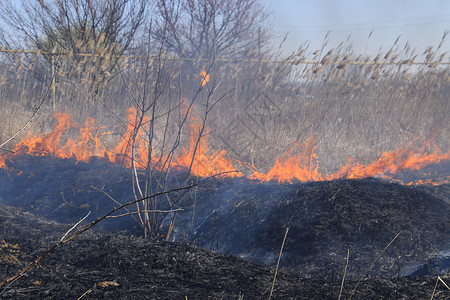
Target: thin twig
[(219, 174), (278, 263), (443, 282), (73, 227), (87, 292), (435, 286), (343, 277), (145, 211), (112, 198), (371, 265), (6, 150)]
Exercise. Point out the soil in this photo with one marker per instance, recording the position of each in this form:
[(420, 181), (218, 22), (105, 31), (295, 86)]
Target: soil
[(229, 248)]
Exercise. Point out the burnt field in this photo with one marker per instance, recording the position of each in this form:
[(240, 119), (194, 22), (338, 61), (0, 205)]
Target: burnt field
[(221, 238), (170, 150)]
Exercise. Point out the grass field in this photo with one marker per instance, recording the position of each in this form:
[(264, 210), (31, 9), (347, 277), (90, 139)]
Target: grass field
[(342, 106)]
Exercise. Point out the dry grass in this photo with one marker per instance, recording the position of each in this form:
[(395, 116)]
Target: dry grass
[(357, 110), (352, 106)]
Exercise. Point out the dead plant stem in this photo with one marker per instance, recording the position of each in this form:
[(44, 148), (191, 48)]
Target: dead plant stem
[(343, 277), (278, 263), (371, 265)]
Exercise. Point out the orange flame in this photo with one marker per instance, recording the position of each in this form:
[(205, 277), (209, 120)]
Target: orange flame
[(301, 167), (204, 76), (304, 166), (84, 147), (391, 162), (123, 152), (89, 144), (427, 181), (197, 158), (300, 163)]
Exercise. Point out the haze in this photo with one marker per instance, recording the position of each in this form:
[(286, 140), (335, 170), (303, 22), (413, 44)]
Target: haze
[(422, 23)]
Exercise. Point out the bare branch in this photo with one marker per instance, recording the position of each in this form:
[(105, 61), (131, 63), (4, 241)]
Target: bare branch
[(145, 211)]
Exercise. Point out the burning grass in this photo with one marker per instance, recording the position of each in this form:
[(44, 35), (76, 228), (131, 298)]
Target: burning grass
[(91, 140), (344, 116), (315, 116)]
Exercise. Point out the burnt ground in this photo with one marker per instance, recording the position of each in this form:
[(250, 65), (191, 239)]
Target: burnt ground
[(230, 247), (114, 266)]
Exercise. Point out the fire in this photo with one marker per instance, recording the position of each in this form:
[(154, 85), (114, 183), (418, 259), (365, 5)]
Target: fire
[(204, 76), (89, 143), (2, 161), (197, 159), (84, 147), (405, 158), (428, 181), (302, 167), (300, 163), (123, 153)]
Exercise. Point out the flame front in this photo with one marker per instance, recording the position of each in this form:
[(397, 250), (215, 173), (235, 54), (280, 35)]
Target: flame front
[(198, 159), (123, 153), (89, 143), (300, 163), (405, 158), (302, 167), (85, 146)]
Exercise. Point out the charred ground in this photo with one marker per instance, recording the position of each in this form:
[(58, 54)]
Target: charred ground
[(124, 267), (41, 198)]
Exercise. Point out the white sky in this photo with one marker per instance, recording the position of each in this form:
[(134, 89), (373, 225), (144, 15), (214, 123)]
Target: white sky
[(421, 22)]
